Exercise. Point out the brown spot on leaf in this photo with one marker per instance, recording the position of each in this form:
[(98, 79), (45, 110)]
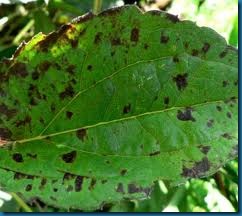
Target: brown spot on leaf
[(123, 172), (18, 157), (81, 134), (120, 188), (219, 108), (127, 108), (223, 54), (175, 59), (74, 43), (69, 188), (181, 81), (210, 123), (104, 181), (35, 75), (26, 120), (132, 188), (115, 41), (5, 134), (69, 114), (78, 183), (18, 176), (19, 69), (70, 69), (89, 67), (204, 149), (225, 83), (43, 183), (166, 100), (195, 52), (198, 170), (92, 184), (44, 66), (154, 153), (31, 155), (205, 47), (69, 157), (68, 176), (227, 136), (134, 35), (229, 115), (28, 187), (186, 115), (68, 92), (98, 38), (163, 38), (9, 113), (146, 46)]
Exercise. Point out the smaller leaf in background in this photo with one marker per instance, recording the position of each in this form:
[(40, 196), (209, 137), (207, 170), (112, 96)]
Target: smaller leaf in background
[(233, 38), (42, 22)]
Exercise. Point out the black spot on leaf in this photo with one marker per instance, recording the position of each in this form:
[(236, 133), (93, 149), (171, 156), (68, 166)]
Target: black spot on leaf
[(134, 35), (5, 134), (9, 113), (115, 41), (127, 108), (205, 47), (81, 134), (204, 149), (229, 115), (28, 187), (68, 92), (26, 120), (186, 115), (67, 177), (181, 81), (225, 83), (154, 153), (132, 188), (92, 184), (35, 75), (175, 59), (89, 67), (69, 114), (227, 136), (18, 157), (44, 66), (98, 38), (70, 69), (123, 172), (19, 69), (69, 157), (219, 108), (195, 52), (163, 38), (210, 123), (166, 100), (78, 183), (120, 188), (198, 170)]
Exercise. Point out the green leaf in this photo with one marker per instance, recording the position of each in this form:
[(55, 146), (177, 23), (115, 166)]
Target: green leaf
[(99, 110)]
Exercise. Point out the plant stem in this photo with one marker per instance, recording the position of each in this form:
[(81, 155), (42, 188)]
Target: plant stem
[(97, 6), (21, 203)]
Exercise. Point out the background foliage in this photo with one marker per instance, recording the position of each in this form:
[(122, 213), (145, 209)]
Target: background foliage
[(21, 19)]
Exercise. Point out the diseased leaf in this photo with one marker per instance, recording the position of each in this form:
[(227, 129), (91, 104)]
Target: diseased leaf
[(99, 110)]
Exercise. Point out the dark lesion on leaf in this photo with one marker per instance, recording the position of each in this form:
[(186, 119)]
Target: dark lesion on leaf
[(206, 47), (19, 175), (164, 38), (120, 188), (68, 92), (210, 123), (116, 41), (229, 115), (225, 83), (92, 184), (69, 157), (166, 100), (195, 52), (227, 136), (204, 149), (67, 177), (25, 121), (8, 112), (70, 69), (198, 170), (69, 114), (134, 36), (19, 69), (98, 38), (89, 67), (28, 187), (123, 172), (17, 157), (81, 134), (44, 66), (181, 81), (127, 108), (5, 134), (133, 188), (219, 108), (186, 115), (154, 153), (78, 183)]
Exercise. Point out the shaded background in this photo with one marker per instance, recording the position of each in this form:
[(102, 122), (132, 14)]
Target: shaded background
[(21, 19)]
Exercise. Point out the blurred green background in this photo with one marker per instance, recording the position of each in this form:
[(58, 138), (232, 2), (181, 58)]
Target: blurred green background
[(21, 19)]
